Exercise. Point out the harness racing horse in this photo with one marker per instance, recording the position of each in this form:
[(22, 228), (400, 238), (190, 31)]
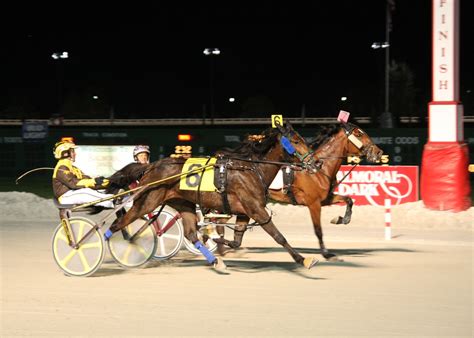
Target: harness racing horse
[(250, 170), (333, 144)]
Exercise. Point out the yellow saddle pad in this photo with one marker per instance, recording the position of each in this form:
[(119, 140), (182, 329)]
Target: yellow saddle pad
[(200, 179)]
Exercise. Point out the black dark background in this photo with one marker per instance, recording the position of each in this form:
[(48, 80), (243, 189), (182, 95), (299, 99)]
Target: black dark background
[(145, 60)]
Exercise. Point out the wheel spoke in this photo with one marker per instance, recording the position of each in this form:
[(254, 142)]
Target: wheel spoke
[(142, 251), (68, 258), (170, 236), (91, 245), (127, 253), (62, 237), (162, 246), (84, 262)]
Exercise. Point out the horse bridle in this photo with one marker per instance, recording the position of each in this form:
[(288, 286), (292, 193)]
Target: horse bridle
[(349, 131), (307, 160)]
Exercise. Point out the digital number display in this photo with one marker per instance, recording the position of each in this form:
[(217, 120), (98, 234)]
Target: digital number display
[(356, 159), (182, 151)]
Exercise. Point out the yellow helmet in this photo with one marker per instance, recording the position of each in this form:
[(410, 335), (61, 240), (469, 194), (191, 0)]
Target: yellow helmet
[(62, 146)]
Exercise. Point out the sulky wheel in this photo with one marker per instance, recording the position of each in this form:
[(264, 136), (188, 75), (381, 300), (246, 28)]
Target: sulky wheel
[(134, 247), (170, 234), (87, 258)]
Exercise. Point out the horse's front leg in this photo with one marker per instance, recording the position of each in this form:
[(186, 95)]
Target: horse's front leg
[(333, 199), (221, 241), (261, 217), (241, 226), (315, 212)]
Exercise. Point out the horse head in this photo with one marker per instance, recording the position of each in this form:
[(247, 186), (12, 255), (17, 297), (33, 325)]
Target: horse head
[(360, 144)]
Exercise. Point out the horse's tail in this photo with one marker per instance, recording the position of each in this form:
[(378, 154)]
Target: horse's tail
[(127, 175)]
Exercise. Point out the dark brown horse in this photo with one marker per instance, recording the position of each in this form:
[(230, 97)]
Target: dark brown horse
[(250, 170), (332, 145)]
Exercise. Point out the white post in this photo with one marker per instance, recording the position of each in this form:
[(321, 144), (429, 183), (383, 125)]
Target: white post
[(388, 219)]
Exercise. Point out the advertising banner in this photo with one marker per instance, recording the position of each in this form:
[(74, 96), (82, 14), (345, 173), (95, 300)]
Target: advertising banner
[(103, 160), (371, 185), (34, 131)]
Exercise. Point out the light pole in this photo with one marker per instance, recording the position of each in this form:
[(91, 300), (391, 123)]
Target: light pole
[(211, 52), (60, 76), (387, 119), (385, 45)]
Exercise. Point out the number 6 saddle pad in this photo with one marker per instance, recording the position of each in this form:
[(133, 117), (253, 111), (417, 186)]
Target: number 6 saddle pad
[(195, 179)]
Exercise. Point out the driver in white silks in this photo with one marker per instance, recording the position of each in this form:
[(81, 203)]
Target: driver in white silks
[(70, 184)]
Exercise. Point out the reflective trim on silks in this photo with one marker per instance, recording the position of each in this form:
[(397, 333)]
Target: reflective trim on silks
[(209, 256), (287, 145)]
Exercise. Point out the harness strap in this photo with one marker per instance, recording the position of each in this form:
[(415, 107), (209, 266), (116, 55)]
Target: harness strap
[(288, 179), (198, 191), (260, 224), (259, 175), (221, 177)]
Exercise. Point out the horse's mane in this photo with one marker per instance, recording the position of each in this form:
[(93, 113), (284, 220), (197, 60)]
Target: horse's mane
[(253, 144), (324, 134)]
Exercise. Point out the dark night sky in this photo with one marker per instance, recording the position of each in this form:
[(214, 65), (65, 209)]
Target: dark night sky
[(146, 60)]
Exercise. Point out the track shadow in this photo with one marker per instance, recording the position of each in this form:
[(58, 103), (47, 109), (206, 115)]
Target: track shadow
[(240, 261), (340, 252), (366, 252), (254, 266), (109, 271), (111, 268)]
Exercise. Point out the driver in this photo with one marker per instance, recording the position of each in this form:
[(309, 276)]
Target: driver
[(70, 184), (141, 154)]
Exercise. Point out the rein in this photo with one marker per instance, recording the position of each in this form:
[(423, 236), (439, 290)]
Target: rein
[(342, 179), (292, 164), (142, 187)]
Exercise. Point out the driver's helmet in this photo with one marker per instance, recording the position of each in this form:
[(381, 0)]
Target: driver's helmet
[(140, 149), (61, 149)]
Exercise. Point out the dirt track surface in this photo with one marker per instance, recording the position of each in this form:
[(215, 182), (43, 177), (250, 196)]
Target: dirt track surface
[(418, 284)]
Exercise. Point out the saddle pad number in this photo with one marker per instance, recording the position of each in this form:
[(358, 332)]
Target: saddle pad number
[(198, 180)]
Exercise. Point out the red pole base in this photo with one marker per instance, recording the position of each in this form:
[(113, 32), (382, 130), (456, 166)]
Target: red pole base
[(445, 177)]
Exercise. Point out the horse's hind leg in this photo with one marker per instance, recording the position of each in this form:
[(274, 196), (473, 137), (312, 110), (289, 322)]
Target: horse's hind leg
[(315, 211), (267, 224), (143, 204), (189, 218)]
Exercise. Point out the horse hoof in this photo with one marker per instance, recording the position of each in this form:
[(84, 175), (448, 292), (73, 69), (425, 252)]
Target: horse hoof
[(309, 262), (220, 266), (336, 220), (334, 259)]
